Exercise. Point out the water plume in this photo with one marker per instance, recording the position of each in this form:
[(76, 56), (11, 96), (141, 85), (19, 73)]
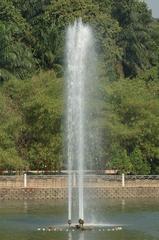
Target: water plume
[(79, 49)]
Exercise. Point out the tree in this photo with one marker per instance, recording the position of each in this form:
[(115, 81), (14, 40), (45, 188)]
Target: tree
[(139, 48), (120, 161), (49, 45), (15, 53), (132, 118), (30, 9), (39, 100), (10, 123), (140, 166), (123, 122)]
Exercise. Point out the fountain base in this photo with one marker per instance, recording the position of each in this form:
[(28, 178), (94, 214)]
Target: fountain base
[(81, 228), (73, 228)]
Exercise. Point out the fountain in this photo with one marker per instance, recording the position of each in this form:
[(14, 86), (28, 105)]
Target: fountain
[(80, 69), (79, 74), (79, 41)]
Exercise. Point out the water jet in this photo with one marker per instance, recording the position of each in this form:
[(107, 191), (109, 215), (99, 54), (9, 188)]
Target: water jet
[(79, 45)]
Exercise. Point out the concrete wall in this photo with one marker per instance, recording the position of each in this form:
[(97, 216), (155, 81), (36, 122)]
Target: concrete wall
[(90, 193), (91, 181), (55, 187), (33, 181)]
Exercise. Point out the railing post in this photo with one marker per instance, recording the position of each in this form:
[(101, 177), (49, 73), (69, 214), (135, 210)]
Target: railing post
[(25, 180), (74, 179), (123, 180)]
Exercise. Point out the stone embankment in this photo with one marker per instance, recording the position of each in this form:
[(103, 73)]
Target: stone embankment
[(55, 187)]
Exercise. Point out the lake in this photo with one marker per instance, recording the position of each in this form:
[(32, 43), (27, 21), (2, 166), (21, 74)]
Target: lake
[(139, 220)]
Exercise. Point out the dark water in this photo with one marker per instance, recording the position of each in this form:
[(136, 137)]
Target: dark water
[(139, 220)]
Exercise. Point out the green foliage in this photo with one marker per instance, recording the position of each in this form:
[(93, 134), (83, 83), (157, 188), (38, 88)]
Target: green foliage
[(39, 101), (120, 160), (140, 166), (15, 54), (33, 34), (9, 160), (132, 119), (124, 116), (10, 123), (139, 48), (31, 8), (58, 15)]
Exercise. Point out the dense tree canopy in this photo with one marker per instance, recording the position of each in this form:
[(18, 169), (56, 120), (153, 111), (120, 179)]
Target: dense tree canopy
[(32, 39), (139, 48), (39, 103), (133, 121), (15, 52)]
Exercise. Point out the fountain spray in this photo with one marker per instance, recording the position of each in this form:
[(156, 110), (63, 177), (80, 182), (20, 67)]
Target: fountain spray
[(78, 43)]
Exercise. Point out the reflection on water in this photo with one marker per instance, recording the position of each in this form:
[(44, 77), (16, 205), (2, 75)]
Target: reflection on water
[(70, 236), (25, 206), (79, 236), (139, 220), (123, 204)]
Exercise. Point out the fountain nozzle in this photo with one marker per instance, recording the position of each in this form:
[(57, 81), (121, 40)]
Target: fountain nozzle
[(69, 222), (81, 222)]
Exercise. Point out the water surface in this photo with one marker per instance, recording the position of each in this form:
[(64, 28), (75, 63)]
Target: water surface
[(139, 220)]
